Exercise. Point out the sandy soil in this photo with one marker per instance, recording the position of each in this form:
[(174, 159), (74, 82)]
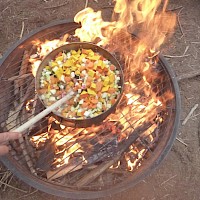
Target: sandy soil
[(178, 176)]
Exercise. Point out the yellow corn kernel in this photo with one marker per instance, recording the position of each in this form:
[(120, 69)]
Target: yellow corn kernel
[(84, 92), (68, 71), (93, 85), (73, 68), (75, 57), (91, 73), (100, 63), (105, 89), (94, 57), (101, 100), (106, 81), (112, 78), (81, 57), (78, 66), (68, 63), (92, 92), (77, 72), (49, 87), (73, 52), (71, 84), (59, 58), (47, 67), (95, 66), (59, 73), (91, 54), (79, 114), (53, 64)]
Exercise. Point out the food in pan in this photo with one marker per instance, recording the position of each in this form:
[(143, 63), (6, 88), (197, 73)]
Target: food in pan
[(95, 80)]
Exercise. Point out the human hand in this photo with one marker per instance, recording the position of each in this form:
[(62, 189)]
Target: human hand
[(5, 138)]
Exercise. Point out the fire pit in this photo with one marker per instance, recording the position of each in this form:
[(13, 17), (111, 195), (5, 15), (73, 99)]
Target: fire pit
[(97, 160)]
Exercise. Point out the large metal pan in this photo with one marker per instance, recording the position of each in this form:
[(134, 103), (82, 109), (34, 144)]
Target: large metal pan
[(75, 46)]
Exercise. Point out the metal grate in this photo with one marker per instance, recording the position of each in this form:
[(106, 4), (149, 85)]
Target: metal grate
[(102, 149)]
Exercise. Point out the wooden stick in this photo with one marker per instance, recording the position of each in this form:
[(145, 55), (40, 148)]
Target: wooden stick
[(51, 175), (44, 113), (22, 31), (190, 113), (181, 141), (88, 178)]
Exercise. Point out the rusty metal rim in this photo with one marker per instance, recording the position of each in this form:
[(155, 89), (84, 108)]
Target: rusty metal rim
[(142, 172)]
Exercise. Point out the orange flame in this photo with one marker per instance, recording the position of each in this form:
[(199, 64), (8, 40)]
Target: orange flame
[(152, 24), (43, 48)]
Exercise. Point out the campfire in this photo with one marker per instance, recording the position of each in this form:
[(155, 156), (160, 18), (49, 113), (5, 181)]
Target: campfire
[(120, 144)]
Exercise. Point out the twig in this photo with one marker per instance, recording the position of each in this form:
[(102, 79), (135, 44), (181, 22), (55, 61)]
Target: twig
[(179, 23), (174, 9), (26, 195), (51, 7), (195, 42), (22, 31), (179, 56), (190, 113), (168, 180), (5, 177), (188, 75), (181, 141), (13, 187), (86, 3)]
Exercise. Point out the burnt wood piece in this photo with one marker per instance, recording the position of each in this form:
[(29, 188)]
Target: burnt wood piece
[(46, 157), (123, 147), (65, 169)]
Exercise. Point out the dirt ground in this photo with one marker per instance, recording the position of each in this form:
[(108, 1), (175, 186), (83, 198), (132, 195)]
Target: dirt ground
[(178, 176)]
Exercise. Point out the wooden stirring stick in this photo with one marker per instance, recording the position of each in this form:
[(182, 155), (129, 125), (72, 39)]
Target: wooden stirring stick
[(44, 113)]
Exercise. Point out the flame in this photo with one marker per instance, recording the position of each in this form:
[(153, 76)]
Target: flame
[(141, 101), (43, 48), (39, 140), (29, 104), (140, 155)]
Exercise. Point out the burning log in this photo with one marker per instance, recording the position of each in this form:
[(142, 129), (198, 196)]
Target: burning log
[(46, 156), (124, 146)]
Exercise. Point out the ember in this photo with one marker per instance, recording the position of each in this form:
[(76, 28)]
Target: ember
[(123, 141)]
